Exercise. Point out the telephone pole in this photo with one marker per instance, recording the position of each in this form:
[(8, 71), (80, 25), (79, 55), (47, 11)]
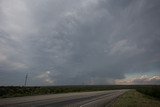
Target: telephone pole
[(25, 83)]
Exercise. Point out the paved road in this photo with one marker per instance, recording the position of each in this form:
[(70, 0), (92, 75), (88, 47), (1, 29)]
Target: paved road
[(82, 99)]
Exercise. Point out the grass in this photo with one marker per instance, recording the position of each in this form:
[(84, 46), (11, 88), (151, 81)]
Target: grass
[(134, 98), (153, 91)]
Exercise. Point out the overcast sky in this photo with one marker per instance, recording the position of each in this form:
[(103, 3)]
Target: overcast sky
[(71, 42)]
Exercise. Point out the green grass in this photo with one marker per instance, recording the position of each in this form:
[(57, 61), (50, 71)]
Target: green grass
[(153, 91), (134, 98)]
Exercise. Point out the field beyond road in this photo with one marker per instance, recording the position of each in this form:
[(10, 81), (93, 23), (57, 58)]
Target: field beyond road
[(134, 98)]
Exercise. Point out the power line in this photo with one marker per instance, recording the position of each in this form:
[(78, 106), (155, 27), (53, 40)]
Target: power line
[(25, 83)]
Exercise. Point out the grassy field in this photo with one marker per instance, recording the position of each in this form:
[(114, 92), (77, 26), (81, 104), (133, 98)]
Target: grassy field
[(134, 98), (153, 91)]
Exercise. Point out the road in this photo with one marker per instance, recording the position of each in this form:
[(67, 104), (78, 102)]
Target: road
[(81, 99)]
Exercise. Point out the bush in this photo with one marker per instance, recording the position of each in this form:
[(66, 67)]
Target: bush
[(153, 91)]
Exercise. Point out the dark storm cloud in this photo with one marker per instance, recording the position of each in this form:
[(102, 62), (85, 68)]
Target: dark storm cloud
[(79, 42)]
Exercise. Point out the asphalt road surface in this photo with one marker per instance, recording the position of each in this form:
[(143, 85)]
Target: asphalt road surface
[(81, 99)]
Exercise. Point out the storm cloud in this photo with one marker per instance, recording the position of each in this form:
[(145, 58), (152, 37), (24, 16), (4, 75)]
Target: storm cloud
[(143, 80), (61, 42)]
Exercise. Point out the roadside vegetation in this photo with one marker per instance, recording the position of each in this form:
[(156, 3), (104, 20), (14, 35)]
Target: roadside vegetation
[(134, 98), (153, 91), (16, 91)]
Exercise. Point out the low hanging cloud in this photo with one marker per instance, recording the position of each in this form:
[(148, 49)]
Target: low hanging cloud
[(143, 80), (46, 78), (84, 41)]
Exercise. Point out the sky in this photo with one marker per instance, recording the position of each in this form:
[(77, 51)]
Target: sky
[(76, 42)]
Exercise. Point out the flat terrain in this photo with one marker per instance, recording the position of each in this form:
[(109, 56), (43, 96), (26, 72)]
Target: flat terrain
[(135, 99), (81, 99)]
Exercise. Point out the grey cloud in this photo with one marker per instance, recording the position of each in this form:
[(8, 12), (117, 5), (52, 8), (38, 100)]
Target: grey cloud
[(145, 80), (83, 42), (141, 80)]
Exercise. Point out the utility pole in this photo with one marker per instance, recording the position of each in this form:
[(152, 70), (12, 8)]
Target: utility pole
[(25, 83)]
